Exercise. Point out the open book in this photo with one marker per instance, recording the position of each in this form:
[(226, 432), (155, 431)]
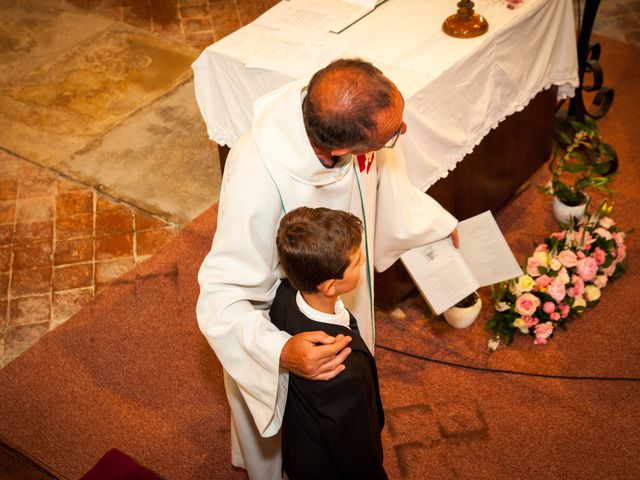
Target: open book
[(445, 274)]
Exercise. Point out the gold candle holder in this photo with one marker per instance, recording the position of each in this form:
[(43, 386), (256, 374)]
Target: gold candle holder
[(465, 23)]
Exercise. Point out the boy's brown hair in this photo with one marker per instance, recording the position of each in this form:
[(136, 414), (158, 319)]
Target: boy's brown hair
[(314, 245)]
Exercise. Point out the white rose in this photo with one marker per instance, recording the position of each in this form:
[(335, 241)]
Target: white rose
[(525, 283), (607, 222), (555, 264), (543, 257), (579, 302), (601, 281), (592, 293), (502, 306)]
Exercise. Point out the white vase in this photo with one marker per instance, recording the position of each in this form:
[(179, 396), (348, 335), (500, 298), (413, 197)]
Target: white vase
[(459, 317), (563, 213)]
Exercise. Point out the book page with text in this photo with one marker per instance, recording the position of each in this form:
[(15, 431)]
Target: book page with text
[(486, 251), (440, 273)]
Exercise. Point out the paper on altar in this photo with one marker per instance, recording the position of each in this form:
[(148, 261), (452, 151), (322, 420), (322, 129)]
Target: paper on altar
[(445, 274)]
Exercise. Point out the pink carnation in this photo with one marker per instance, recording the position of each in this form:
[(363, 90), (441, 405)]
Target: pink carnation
[(622, 253), (549, 307), (601, 232), (558, 235), (530, 321), (618, 238), (568, 258), (543, 280), (578, 287), (526, 304), (587, 268), (564, 310), (557, 289), (543, 331), (599, 255), (541, 248)]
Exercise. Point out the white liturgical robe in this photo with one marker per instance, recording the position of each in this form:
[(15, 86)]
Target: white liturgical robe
[(271, 170)]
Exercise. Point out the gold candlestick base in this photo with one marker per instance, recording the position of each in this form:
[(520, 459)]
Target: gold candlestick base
[(465, 23)]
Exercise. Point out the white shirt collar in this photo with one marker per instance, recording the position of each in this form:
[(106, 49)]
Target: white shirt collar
[(340, 317)]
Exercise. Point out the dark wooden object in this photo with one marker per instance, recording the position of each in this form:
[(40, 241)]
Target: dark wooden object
[(485, 179)]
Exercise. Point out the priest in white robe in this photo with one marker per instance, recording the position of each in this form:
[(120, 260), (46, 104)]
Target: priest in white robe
[(331, 143)]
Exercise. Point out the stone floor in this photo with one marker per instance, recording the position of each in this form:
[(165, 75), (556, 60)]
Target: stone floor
[(79, 207)]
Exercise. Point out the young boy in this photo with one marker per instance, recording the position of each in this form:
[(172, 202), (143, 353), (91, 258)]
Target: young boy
[(331, 429)]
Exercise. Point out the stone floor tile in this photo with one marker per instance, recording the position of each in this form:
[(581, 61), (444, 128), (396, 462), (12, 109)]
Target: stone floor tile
[(69, 277), (9, 165), (4, 289), (201, 24), (114, 222), (29, 310), (32, 255), (73, 251), (194, 11), (65, 185), (37, 185), (142, 221), (19, 339), (33, 232), (30, 282), (110, 270), (6, 234), (104, 204), (153, 240), (75, 202), (8, 188), (199, 40), (66, 304), (7, 211), (34, 209), (5, 257), (74, 226), (114, 246)]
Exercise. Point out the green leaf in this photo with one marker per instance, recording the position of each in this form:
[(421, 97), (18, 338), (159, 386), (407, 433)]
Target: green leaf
[(575, 167)]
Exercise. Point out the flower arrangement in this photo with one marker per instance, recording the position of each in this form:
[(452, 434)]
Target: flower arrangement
[(565, 275), (581, 161)]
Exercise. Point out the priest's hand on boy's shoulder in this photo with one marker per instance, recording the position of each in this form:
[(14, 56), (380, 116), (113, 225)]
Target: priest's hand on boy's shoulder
[(315, 355)]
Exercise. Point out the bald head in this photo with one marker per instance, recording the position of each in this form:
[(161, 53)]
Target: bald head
[(342, 102)]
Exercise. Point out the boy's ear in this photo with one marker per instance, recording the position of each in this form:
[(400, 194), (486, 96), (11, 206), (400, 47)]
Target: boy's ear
[(328, 288)]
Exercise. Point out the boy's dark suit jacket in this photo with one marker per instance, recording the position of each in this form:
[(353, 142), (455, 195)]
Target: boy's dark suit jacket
[(331, 429)]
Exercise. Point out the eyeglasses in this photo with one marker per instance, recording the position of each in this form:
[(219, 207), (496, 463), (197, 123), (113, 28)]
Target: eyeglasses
[(393, 140)]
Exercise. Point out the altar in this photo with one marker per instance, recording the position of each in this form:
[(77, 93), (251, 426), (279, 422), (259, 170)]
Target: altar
[(489, 100)]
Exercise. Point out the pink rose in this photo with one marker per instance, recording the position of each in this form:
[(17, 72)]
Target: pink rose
[(543, 331), (568, 258), (599, 255), (609, 270), (563, 275), (542, 248), (587, 268), (557, 289), (618, 238), (555, 316), (532, 266), (578, 287), (530, 321), (549, 307), (564, 310), (526, 304), (543, 280), (580, 255), (622, 253)]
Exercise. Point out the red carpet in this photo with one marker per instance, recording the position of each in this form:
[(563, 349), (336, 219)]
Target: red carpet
[(132, 371)]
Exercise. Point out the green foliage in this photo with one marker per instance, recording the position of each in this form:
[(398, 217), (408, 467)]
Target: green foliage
[(582, 161)]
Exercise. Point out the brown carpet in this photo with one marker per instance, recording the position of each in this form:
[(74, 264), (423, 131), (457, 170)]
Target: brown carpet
[(132, 371)]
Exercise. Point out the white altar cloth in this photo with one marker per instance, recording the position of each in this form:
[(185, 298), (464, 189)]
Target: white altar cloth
[(455, 90)]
